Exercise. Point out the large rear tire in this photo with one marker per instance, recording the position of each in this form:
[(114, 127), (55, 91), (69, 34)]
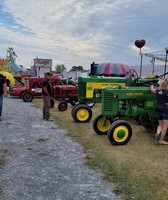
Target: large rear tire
[(119, 133)]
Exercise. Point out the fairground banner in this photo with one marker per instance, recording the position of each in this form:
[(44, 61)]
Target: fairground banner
[(41, 62)]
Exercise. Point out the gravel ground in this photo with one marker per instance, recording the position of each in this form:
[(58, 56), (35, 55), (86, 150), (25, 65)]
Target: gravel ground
[(53, 169)]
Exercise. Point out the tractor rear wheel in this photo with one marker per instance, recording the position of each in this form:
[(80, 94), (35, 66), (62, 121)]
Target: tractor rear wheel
[(100, 125), (27, 97), (62, 106), (150, 123), (81, 113), (119, 133)]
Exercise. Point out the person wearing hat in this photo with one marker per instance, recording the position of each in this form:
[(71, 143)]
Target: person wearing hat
[(3, 92), (47, 92)]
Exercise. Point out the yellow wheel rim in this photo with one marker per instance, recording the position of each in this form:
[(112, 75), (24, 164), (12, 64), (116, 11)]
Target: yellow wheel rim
[(82, 114), (121, 133), (103, 126)]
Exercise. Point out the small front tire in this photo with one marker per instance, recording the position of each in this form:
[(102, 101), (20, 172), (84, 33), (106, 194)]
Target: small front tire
[(27, 97), (100, 125), (62, 106), (81, 113), (119, 133)]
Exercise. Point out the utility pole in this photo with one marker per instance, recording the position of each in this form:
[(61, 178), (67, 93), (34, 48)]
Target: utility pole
[(141, 62), (165, 62)]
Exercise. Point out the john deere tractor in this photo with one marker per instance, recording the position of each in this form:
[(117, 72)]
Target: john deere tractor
[(90, 90), (120, 104)]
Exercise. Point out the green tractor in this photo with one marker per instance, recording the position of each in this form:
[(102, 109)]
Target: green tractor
[(120, 104), (90, 90)]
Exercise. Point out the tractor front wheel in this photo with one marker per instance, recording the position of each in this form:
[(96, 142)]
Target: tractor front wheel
[(81, 113), (72, 111), (101, 126), (119, 133), (62, 106), (27, 97)]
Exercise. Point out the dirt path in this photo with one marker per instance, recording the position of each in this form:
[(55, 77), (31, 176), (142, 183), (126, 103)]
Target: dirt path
[(42, 163)]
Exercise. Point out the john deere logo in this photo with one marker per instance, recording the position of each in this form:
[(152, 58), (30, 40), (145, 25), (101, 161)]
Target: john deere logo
[(134, 94)]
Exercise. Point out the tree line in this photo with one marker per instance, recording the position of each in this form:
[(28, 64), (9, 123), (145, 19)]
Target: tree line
[(60, 68)]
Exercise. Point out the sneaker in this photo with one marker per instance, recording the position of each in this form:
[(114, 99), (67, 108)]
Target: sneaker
[(49, 120), (156, 138)]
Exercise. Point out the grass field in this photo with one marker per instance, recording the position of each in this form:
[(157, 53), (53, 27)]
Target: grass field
[(137, 170)]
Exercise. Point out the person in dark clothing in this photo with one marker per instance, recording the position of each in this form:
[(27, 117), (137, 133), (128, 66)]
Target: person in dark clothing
[(47, 92), (161, 111), (3, 92), (67, 81)]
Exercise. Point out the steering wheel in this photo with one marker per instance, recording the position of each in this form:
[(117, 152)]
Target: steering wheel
[(133, 73)]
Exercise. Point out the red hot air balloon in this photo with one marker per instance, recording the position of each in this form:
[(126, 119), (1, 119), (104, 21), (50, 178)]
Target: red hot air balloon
[(140, 43)]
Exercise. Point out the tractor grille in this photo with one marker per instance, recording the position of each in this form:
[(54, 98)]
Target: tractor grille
[(108, 101)]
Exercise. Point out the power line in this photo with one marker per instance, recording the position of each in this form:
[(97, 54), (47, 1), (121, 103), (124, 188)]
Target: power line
[(157, 57), (160, 57)]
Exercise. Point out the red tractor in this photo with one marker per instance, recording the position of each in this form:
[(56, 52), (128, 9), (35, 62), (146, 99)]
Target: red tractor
[(65, 92)]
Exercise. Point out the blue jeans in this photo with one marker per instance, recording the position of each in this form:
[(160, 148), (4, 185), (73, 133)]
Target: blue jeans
[(1, 104)]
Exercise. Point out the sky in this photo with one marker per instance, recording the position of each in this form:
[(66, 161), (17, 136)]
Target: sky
[(79, 32)]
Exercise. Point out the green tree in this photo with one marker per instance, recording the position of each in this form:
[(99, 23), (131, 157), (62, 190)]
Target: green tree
[(80, 68), (76, 68), (60, 68)]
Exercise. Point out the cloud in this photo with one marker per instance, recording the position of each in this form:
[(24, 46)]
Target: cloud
[(78, 33)]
